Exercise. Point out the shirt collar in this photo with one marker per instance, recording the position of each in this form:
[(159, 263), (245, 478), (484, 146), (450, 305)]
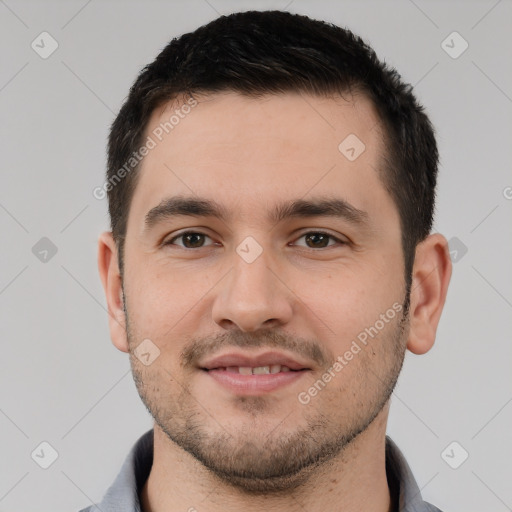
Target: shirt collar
[(123, 494)]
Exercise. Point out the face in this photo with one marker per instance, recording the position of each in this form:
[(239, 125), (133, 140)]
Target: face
[(320, 285)]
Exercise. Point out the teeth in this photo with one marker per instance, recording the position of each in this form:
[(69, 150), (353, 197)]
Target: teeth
[(259, 370)]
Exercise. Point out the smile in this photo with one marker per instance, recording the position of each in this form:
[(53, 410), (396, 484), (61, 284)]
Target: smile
[(244, 380)]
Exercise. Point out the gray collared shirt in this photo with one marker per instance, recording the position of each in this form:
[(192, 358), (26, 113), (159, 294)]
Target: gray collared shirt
[(123, 494)]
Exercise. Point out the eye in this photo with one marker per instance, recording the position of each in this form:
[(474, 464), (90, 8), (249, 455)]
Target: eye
[(191, 240), (320, 239), (314, 240)]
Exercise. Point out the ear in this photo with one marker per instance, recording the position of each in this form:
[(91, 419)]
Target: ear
[(431, 275), (112, 284)]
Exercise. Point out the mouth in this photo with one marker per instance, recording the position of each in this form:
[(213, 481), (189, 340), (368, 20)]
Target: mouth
[(254, 375), (255, 364), (256, 370)]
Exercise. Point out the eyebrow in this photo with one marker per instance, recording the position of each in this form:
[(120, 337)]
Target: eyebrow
[(299, 208)]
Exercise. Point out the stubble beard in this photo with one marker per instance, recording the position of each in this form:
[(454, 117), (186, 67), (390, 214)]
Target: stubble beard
[(278, 461)]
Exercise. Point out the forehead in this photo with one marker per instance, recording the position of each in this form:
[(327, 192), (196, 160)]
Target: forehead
[(285, 120), (250, 151)]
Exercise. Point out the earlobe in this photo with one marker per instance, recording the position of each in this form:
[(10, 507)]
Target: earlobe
[(112, 284), (430, 279)]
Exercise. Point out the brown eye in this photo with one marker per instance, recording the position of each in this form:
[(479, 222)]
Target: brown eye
[(319, 240), (191, 240)]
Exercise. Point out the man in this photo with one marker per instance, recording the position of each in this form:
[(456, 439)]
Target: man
[(271, 189)]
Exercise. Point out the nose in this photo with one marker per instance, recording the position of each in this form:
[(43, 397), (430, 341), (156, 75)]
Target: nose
[(252, 296)]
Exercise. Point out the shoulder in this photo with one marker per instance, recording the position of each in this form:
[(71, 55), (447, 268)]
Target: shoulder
[(399, 471)]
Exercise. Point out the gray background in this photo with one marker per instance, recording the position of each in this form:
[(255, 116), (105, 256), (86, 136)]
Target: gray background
[(63, 382)]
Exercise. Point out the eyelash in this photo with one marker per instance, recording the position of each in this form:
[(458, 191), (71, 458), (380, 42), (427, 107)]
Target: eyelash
[(171, 240)]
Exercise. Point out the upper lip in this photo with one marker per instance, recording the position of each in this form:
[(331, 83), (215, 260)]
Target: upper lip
[(253, 361)]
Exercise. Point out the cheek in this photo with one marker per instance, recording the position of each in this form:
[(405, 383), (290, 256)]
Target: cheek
[(348, 301), (167, 306), (160, 296)]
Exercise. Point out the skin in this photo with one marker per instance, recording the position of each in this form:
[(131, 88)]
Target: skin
[(299, 295)]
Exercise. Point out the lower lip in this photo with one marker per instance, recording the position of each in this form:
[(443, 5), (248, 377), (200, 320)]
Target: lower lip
[(254, 384)]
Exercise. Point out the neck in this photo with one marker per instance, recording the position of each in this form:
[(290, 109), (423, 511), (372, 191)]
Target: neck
[(354, 480)]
